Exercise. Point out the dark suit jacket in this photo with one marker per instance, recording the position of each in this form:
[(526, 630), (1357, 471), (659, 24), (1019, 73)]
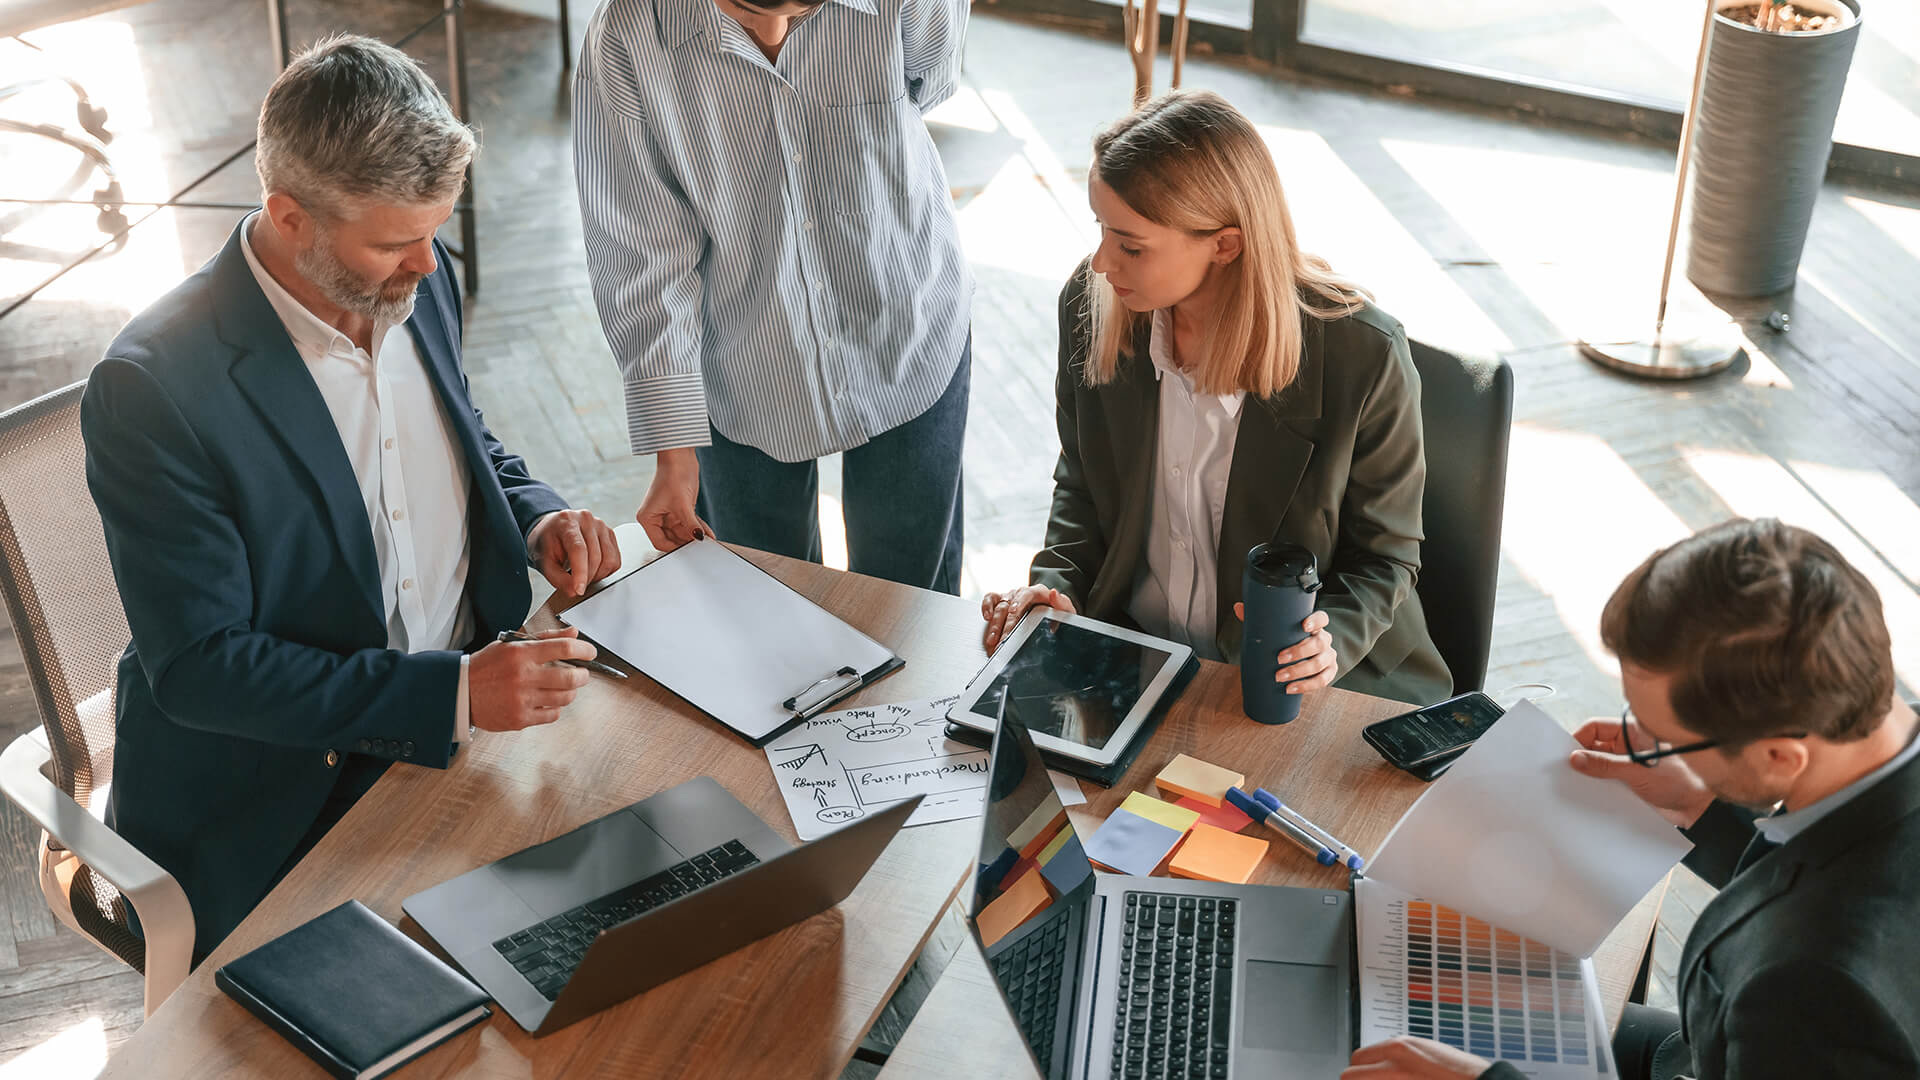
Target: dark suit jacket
[(1808, 962), (245, 562), (1334, 462)]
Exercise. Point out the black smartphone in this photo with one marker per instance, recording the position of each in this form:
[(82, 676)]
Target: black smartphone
[(1425, 741)]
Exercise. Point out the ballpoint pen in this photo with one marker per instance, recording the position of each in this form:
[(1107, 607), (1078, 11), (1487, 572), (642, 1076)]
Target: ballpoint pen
[(1256, 810), (1353, 859), (590, 665)]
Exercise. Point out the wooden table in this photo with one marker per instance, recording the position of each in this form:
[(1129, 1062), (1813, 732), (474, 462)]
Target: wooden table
[(1323, 769), (793, 1005)]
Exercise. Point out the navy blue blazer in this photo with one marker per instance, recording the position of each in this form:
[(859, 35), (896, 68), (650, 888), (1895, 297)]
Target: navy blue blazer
[(245, 562)]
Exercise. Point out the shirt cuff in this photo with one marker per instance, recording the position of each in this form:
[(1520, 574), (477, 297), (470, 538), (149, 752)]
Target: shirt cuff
[(668, 412), (462, 706)]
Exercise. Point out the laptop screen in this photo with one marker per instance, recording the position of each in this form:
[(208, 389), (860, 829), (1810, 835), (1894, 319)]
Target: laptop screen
[(1029, 854)]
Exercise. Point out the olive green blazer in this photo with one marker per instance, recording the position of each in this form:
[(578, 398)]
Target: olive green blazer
[(1334, 462)]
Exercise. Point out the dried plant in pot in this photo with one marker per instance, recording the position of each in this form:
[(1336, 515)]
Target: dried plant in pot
[(1775, 72)]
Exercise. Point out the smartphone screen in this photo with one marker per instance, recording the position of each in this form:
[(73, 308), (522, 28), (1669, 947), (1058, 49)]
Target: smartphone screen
[(1434, 731)]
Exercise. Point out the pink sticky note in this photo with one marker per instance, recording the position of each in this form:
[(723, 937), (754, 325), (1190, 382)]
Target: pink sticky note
[(1225, 816)]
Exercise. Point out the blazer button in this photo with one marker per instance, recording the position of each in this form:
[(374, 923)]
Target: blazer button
[(379, 746), (363, 746), (406, 748), (333, 758)]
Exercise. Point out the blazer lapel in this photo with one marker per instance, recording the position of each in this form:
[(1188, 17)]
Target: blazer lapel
[(436, 335), (1270, 456), (1825, 842), (269, 371)]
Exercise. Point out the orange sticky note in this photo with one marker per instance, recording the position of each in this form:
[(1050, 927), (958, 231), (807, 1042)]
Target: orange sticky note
[(1027, 898), (1212, 854), (1225, 816), (1197, 779)]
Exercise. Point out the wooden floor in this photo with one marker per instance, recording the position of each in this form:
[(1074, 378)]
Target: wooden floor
[(1483, 233)]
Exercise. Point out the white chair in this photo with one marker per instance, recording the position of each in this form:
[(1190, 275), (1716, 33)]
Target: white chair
[(66, 613)]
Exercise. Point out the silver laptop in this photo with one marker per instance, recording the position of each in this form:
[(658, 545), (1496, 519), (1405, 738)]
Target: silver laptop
[(564, 929), (1154, 977)]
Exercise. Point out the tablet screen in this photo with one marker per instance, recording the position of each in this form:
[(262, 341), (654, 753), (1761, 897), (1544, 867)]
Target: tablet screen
[(1073, 683)]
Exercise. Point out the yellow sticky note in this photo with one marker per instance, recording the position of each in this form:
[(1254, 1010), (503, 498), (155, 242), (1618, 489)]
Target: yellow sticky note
[(1053, 846), (1177, 818), (1212, 854), (1197, 779), (1011, 908)]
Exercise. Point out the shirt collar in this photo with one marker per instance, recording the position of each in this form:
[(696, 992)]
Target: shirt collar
[(688, 18), (311, 336), (1784, 826), (1160, 350)]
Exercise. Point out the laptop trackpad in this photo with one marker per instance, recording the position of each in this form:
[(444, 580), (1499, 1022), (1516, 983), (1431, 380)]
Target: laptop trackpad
[(588, 862), (1293, 1009)]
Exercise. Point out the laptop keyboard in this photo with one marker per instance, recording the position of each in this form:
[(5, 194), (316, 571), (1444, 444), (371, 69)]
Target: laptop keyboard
[(1174, 1018), (548, 952), (1030, 972)]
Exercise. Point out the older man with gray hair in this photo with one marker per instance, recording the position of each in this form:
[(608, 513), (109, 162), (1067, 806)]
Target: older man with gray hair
[(315, 537)]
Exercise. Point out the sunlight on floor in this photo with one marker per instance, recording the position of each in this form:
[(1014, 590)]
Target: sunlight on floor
[(102, 55), (1340, 219), (1557, 479), (1566, 233), (77, 1053)]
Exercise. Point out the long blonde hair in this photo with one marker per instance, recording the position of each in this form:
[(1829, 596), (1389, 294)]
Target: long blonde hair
[(1188, 160)]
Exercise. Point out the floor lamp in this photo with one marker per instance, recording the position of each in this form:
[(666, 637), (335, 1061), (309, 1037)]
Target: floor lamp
[(1667, 356)]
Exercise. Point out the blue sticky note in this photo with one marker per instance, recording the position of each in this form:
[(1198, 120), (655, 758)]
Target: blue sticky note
[(1131, 844), (1068, 867)]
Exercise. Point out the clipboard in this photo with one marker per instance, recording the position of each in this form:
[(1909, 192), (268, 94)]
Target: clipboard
[(731, 640)]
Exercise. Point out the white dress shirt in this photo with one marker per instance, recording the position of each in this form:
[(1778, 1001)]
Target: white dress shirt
[(409, 468), (1174, 594)]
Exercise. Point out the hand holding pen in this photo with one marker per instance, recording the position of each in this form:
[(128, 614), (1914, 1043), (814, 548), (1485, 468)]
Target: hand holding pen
[(590, 665)]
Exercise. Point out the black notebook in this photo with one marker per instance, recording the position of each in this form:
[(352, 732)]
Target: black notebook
[(353, 992)]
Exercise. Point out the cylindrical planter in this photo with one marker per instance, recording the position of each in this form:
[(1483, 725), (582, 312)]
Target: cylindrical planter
[(1762, 136)]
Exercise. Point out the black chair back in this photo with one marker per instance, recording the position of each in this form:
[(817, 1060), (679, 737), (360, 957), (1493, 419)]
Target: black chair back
[(1466, 409)]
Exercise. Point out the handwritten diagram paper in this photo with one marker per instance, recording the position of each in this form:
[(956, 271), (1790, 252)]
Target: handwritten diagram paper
[(842, 766)]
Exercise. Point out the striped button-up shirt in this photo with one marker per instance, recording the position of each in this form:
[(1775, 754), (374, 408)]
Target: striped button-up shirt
[(772, 245)]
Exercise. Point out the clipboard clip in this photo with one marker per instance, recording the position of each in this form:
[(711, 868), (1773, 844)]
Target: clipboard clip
[(828, 688)]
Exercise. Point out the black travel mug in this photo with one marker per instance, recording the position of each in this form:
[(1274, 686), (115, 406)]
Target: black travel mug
[(1277, 588)]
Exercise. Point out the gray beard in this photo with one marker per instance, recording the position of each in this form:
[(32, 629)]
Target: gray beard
[(341, 286)]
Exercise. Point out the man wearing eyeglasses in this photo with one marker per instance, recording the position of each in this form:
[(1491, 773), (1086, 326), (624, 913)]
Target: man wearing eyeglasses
[(1762, 720)]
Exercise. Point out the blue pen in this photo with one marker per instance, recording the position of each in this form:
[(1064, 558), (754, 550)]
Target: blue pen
[(1272, 802), (1251, 807)]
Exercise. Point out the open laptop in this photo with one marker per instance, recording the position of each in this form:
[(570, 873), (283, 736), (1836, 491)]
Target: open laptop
[(1153, 977), (564, 929)]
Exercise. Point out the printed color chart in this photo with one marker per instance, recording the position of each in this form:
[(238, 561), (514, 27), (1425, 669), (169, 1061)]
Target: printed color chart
[(1427, 970)]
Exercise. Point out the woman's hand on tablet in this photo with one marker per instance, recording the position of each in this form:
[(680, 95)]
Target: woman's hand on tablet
[(1003, 611)]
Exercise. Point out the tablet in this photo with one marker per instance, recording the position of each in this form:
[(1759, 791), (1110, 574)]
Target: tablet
[(1081, 686)]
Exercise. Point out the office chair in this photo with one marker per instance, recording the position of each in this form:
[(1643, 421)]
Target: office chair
[(1466, 409), (66, 612)]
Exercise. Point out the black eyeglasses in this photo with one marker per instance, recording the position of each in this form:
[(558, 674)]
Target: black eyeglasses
[(1649, 758)]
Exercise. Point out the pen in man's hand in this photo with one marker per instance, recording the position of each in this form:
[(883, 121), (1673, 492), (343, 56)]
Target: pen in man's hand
[(590, 665)]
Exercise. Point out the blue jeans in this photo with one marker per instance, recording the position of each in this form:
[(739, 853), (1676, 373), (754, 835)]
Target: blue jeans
[(901, 493)]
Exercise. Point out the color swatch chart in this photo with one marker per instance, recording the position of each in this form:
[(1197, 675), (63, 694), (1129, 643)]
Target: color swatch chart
[(1429, 971)]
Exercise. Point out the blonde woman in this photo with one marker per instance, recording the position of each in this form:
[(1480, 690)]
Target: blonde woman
[(1219, 388)]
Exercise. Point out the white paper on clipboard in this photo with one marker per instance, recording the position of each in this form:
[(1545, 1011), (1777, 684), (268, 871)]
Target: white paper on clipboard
[(727, 636)]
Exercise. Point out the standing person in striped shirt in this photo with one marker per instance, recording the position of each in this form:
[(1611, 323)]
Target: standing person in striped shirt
[(775, 259)]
